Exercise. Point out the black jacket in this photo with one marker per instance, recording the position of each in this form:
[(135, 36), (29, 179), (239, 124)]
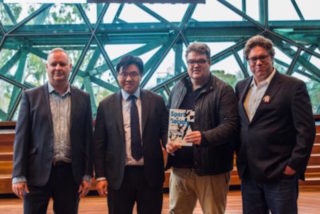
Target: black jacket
[(217, 118), (109, 139), (281, 132)]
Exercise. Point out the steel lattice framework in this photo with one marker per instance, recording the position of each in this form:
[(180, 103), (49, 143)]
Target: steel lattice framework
[(94, 68)]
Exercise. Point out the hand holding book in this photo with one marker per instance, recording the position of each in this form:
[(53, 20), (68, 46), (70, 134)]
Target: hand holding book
[(193, 137), (180, 121)]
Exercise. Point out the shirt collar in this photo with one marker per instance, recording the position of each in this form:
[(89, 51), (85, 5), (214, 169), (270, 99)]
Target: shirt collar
[(206, 85), (126, 95), (52, 90), (264, 82)]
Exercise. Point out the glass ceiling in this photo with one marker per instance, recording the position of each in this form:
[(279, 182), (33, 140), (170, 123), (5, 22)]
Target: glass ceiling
[(97, 35)]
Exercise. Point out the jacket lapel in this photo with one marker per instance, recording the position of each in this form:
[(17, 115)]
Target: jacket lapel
[(73, 105), (118, 114), (243, 95), (269, 95), (47, 103), (144, 109)]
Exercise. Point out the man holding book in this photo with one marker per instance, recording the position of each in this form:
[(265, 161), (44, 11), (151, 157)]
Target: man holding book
[(201, 171)]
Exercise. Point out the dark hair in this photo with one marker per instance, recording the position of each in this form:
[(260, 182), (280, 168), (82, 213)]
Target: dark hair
[(128, 60), (200, 48), (261, 41)]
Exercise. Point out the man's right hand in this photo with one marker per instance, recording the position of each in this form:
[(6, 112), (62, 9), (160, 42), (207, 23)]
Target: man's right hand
[(20, 188), (101, 187), (171, 147)]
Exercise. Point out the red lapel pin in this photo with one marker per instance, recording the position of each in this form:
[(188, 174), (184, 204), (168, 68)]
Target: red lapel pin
[(266, 99)]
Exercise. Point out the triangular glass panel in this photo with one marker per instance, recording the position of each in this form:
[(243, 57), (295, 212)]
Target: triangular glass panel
[(241, 55), (16, 113), (5, 56), (78, 82), (6, 95), (109, 17), (35, 70), (101, 73), (315, 61), (301, 77), (117, 50), (131, 13), (24, 10), (309, 9), (278, 14), (170, 12), (313, 87), (215, 11), (91, 11), (164, 71), (217, 47), (12, 9), (86, 60), (6, 89), (12, 71), (62, 14), (147, 55), (228, 70), (280, 55), (100, 92), (252, 9)]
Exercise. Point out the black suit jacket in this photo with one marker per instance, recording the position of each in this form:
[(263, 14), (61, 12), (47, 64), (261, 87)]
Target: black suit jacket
[(109, 138), (281, 132), (34, 139)]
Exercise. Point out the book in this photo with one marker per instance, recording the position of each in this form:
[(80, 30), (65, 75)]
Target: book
[(180, 121)]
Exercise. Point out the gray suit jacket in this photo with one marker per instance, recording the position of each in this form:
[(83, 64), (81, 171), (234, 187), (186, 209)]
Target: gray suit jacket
[(281, 132), (33, 145), (109, 139)]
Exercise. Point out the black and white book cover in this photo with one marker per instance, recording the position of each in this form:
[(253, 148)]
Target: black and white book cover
[(180, 121)]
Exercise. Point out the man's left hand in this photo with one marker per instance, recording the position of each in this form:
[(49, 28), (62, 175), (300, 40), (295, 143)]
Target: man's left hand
[(193, 137), (84, 188)]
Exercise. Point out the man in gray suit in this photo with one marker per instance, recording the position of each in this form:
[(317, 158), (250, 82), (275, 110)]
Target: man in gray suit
[(52, 145), (130, 127)]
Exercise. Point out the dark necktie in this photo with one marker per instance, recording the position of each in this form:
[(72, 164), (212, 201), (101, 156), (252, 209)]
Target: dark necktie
[(136, 147)]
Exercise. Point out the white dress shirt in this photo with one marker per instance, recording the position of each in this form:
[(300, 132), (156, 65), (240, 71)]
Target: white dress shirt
[(126, 105), (255, 94)]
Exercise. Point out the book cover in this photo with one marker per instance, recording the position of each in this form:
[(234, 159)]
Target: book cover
[(180, 121)]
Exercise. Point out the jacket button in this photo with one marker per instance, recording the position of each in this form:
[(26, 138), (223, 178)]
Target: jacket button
[(196, 164)]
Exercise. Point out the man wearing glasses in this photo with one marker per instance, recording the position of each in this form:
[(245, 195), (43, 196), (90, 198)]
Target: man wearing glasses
[(201, 171), (131, 127), (277, 133)]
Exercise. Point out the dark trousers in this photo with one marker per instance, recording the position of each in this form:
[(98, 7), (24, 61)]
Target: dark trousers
[(278, 197), (135, 188), (61, 187)]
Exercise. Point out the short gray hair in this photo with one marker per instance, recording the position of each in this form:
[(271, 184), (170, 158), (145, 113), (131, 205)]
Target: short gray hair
[(54, 50)]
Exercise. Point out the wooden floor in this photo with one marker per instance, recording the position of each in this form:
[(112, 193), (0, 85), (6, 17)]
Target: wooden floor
[(309, 203)]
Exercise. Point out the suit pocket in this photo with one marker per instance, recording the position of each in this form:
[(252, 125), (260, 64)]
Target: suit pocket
[(33, 151), (33, 160), (227, 177)]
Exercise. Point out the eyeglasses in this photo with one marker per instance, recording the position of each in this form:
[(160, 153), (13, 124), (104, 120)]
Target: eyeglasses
[(132, 75), (199, 61), (255, 59)]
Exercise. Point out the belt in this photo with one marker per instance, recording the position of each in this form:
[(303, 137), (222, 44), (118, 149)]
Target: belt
[(135, 166), (60, 163)]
